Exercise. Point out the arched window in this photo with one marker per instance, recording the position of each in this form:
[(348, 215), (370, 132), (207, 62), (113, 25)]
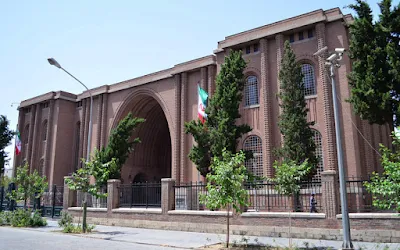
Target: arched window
[(251, 91), (319, 154), (254, 165), (44, 131), (308, 79)]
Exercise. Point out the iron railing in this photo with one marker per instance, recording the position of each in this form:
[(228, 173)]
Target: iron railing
[(146, 194), (91, 200), (187, 196)]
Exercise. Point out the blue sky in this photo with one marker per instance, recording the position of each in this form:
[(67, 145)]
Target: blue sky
[(104, 42)]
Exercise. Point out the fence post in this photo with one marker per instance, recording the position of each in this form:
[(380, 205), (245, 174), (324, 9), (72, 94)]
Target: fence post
[(53, 200), (11, 187), (1, 198), (68, 195), (167, 195), (112, 194), (330, 193)]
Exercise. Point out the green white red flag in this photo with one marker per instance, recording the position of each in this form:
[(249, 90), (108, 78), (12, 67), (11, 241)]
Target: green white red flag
[(202, 104), (18, 144)]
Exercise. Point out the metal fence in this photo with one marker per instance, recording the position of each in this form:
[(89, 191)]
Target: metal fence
[(262, 197), (91, 200), (359, 200), (146, 194), (50, 202)]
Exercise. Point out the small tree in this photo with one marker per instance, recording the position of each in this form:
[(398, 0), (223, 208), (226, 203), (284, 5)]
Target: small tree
[(220, 130), (385, 188), (225, 185), (80, 181), (287, 178), (28, 185), (5, 138), (119, 147)]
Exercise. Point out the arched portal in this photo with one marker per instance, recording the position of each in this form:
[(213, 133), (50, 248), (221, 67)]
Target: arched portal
[(151, 158)]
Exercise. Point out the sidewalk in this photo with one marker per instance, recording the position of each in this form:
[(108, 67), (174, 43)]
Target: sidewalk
[(191, 240)]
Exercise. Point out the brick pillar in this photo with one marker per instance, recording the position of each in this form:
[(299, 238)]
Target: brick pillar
[(86, 127), (368, 151), (167, 195), (329, 136), (68, 196), (330, 192), (48, 138), (183, 171), (82, 133), (266, 107), (211, 80), (113, 194), (104, 125), (203, 80), (177, 132), (279, 39), (30, 139), (35, 148), (99, 125)]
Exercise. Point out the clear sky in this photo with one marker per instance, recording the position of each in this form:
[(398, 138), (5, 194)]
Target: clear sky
[(104, 42)]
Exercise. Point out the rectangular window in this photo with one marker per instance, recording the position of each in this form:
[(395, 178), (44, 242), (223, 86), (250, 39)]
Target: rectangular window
[(247, 49), (310, 33), (301, 36), (255, 47), (28, 110), (79, 104), (291, 38), (45, 105)]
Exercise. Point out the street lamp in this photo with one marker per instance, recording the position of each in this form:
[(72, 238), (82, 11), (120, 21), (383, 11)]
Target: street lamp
[(53, 62), (333, 61)]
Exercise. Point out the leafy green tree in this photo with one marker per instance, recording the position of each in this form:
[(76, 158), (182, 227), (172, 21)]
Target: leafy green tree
[(288, 175), (225, 184), (29, 185), (119, 147), (220, 129), (385, 188), (5, 139), (80, 181), (375, 75), (298, 137)]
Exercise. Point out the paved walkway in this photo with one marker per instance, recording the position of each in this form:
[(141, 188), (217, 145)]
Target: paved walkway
[(139, 238)]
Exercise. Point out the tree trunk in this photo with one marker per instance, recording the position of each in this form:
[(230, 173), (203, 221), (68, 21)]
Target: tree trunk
[(227, 227), (84, 213)]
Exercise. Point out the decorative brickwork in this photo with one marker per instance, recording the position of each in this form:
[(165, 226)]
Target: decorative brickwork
[(267, 118), (104, 125), (211, 80), (176, 166), (368, 151), (329, 182), (184, 167), (330, 149), (49, 137)]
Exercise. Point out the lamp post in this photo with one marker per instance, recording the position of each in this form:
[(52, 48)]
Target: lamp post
[(53, 62), (333, 61)]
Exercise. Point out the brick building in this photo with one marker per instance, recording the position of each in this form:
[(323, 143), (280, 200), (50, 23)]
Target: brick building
[(54, 126)]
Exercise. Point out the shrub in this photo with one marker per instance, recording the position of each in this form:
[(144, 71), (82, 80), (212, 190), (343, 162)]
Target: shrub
[(5, 218), (66, 219), (68, 227), (22, 218)]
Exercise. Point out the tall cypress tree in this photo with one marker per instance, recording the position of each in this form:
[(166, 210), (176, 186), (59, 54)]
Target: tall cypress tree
[(220, 129), (375, 75), (298, 137)]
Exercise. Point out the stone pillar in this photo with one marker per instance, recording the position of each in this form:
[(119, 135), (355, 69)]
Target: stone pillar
[(176, 166), (167, 195), (99, 124), (183, 171), (68, 196), (330, 192), (104, 125), (35, 145), (211, 80), (330, 145), (266, 107), (113, 194), (48, 137)]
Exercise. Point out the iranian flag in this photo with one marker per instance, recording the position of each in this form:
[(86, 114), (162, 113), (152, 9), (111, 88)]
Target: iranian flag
[(202, 104), (18, 145)]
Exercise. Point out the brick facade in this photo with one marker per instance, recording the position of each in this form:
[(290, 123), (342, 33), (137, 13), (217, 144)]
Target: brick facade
[(168, 99)]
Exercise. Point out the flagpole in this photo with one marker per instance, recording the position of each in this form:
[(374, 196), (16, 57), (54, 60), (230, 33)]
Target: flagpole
[(198, 96)]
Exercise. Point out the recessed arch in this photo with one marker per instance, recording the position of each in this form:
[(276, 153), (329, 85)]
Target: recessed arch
[(253, 143)]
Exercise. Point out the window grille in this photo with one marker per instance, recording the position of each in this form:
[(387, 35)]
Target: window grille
[(308, 79), (319, 154), (251, 91), (254, 165)]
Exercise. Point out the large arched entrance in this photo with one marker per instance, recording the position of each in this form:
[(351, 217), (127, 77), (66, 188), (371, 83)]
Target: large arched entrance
[(150, 160)]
